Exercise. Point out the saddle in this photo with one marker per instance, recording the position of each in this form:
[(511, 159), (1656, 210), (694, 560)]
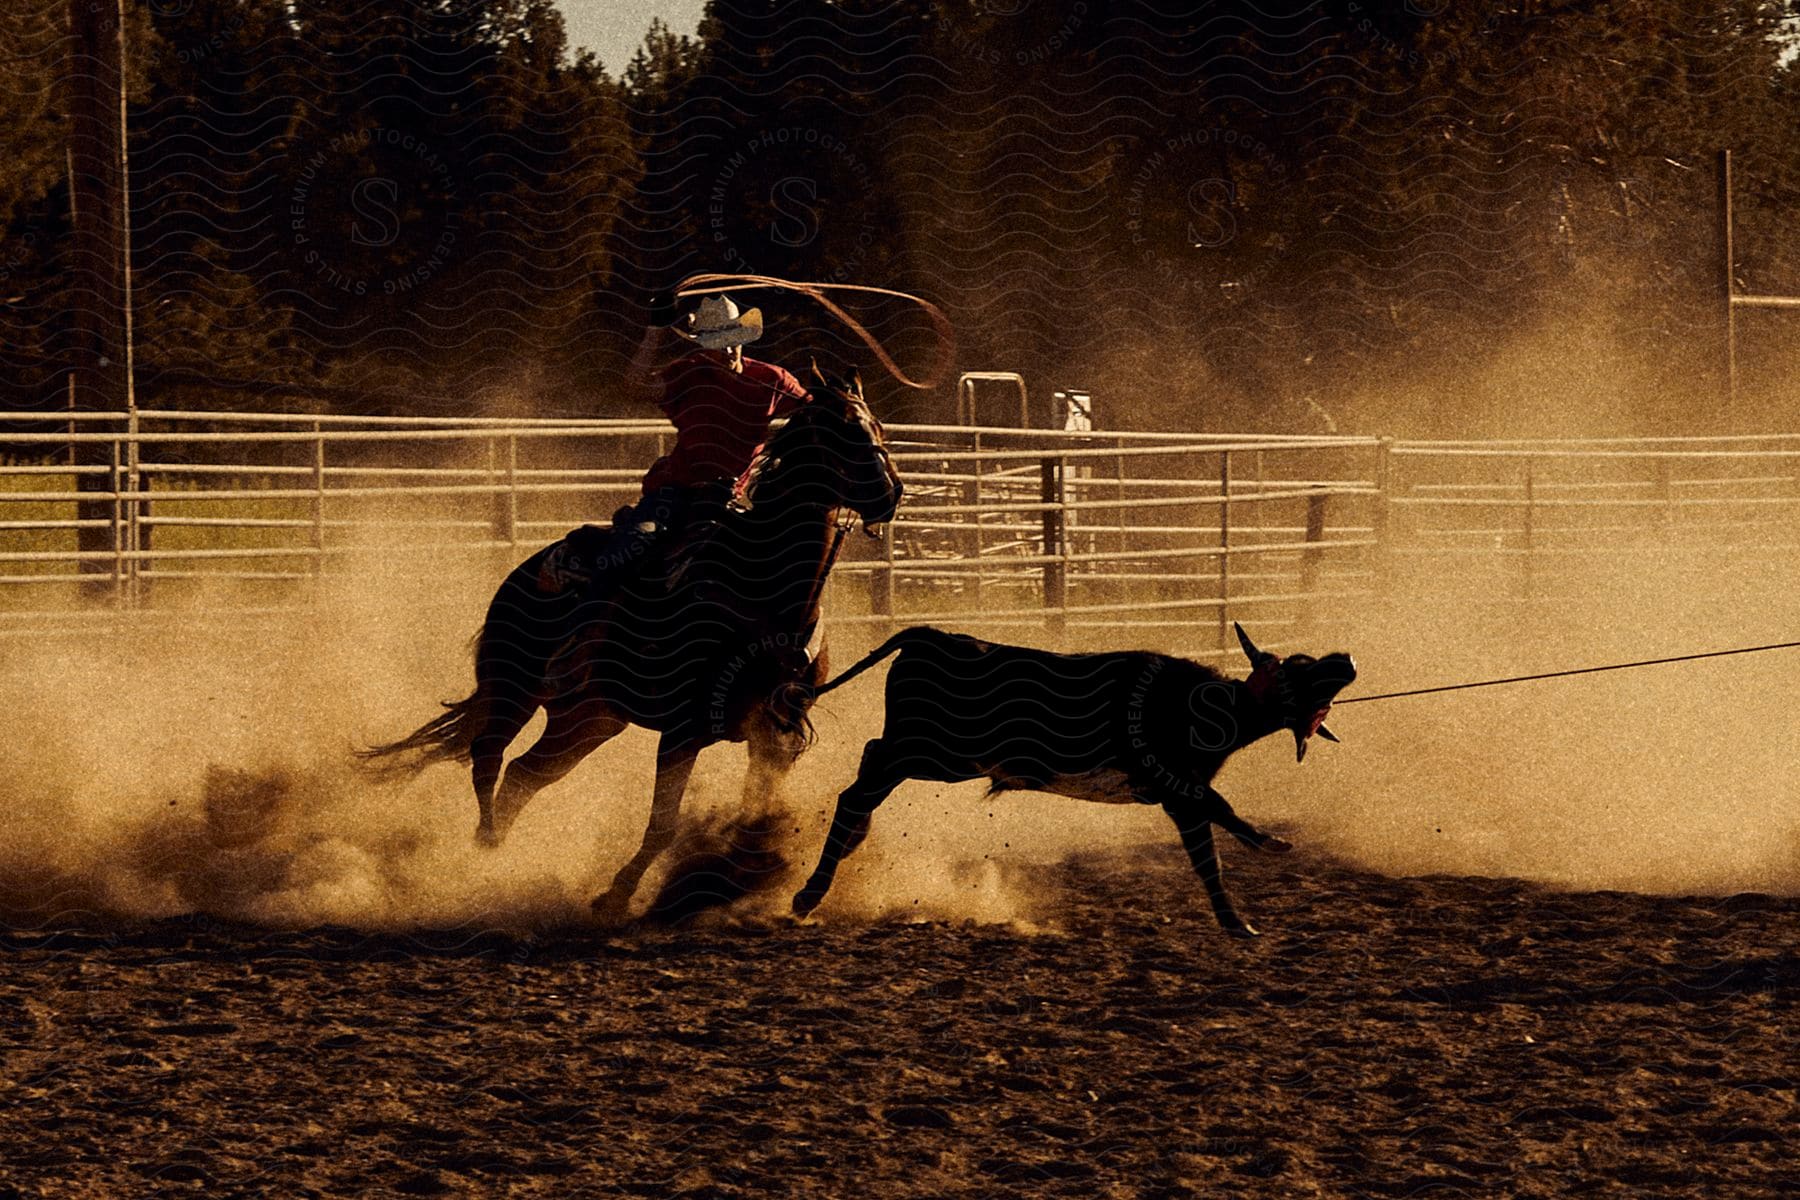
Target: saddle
[(574, 561), (588, 552)]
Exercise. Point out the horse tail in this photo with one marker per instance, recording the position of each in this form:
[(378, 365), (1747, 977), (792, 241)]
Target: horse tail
[(447, 737), (916, 635), (512, 648)]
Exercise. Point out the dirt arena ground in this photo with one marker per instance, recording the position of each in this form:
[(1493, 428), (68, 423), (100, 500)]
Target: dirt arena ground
[(232, 965), (1430, 1036)]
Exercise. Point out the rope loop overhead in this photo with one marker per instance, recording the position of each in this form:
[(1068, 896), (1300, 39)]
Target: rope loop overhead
[(710, 284)]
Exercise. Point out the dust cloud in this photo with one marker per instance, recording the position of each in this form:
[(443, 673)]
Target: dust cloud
[(204, 765), (1667, 779), (200, 768), (188, 765)]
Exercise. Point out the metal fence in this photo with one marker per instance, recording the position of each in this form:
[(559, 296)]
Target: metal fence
[(1101, 536), (1092, 532), (1530, 524), (1115, 533)]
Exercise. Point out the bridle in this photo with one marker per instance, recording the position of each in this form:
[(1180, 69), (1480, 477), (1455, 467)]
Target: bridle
[(837, 543), (847, 516)]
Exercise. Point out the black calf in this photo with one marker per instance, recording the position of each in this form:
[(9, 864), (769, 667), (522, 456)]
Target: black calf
[(1122, 728)]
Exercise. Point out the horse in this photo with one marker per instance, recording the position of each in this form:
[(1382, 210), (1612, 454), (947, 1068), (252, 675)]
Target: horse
[(726, 645)]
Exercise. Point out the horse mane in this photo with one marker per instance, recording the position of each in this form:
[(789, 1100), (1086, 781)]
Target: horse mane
[(768, 461)]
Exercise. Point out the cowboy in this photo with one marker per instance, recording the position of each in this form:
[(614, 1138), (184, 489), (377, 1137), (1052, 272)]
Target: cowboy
[(721, 404)]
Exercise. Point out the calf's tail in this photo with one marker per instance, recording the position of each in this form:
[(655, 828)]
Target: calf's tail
[(917, 635)]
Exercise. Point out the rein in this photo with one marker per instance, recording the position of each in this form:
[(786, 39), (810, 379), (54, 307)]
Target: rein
[(818, 587), (843, 524)]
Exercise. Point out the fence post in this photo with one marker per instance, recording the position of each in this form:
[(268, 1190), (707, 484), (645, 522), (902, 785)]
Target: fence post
[(1529, 558), (1118, 590), (134, 517), (1056, 596), (121, 594), (318, 505), (1224, 549), (1311, 559), (1068, 521), (972, 496), (496, 499), (139, 530), (1727, 279), (1384, 557), (511, 529), (1665, 491)]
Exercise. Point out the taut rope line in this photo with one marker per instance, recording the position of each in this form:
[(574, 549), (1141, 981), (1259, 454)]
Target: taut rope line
[(1647, 662), (695, 285)]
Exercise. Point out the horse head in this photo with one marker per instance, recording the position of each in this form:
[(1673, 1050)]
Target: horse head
[(833, 452)]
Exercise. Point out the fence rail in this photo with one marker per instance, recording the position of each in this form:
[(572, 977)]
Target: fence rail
[(1097, 532)]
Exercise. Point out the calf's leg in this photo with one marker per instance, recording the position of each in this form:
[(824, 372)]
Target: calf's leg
[(875, 781), (1197, 840), (1221, 813)]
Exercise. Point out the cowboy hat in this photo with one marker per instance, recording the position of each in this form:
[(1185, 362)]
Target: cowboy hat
[(717, 324)]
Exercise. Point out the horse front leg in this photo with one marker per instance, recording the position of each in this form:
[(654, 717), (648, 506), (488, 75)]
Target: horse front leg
[(763, 780), (675, 755), (773, 751)]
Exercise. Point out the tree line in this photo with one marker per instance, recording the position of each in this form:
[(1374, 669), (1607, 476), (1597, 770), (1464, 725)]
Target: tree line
[(1251, 214)]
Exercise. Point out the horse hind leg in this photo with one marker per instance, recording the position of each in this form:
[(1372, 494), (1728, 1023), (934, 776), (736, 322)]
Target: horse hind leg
[(508, 713), (573, 733), (509, 670)]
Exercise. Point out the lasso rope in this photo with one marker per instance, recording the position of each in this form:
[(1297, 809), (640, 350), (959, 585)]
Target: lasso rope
[(709, 284), (1647, 662)]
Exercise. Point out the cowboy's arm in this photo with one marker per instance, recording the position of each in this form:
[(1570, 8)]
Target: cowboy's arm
[(789, 394), (643, 377)]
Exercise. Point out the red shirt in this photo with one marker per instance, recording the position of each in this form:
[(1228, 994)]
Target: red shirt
[(721, 418)]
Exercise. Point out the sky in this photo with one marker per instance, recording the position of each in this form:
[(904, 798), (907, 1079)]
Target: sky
[(613, 29)]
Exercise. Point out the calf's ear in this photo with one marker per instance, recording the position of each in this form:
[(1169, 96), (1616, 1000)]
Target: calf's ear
[(1325, 733)]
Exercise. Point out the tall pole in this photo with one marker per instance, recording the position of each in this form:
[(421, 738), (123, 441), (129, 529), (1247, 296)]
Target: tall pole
[(1727, 279), (94, 81), (137, 531)]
